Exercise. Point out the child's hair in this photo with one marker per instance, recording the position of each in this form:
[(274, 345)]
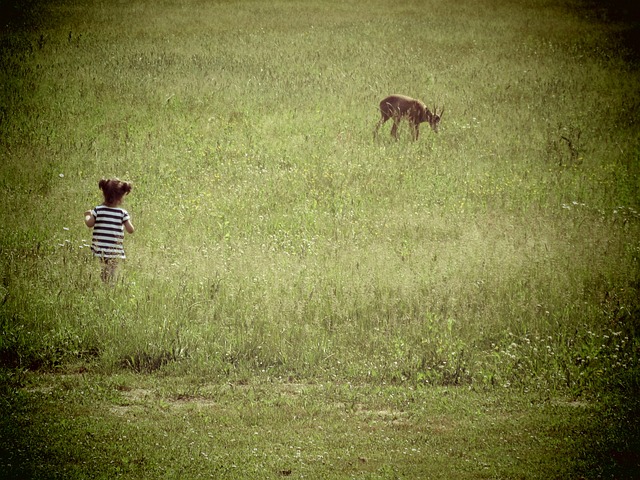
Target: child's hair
[(114, 189)]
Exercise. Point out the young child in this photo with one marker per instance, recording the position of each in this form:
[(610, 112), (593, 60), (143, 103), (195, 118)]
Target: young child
[(109, 222)]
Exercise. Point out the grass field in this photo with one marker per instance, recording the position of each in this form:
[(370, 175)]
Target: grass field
[(301, 299)]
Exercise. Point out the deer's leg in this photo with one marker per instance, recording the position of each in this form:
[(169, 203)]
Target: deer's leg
[(379, 124), (394, 129), (416, 131)]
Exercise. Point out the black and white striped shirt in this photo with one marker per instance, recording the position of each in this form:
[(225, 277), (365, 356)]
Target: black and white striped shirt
[(108, 232)]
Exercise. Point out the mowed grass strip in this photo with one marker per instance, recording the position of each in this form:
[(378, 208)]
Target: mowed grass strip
[(131, 427)]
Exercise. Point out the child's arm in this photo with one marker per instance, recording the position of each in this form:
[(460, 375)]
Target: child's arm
[(89, 219), (129, 226)]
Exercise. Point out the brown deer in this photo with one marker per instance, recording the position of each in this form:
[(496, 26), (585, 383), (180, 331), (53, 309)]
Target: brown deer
[(416, 112)]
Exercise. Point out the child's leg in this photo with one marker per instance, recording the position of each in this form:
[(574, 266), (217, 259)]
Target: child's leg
[(109, 266)]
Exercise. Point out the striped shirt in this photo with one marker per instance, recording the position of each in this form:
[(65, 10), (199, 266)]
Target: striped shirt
[(108, 232)]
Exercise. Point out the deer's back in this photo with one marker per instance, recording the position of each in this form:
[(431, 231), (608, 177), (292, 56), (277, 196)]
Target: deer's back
[(398, 104)]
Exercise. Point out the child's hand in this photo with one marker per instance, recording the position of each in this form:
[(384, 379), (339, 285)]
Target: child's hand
[(89, 220)]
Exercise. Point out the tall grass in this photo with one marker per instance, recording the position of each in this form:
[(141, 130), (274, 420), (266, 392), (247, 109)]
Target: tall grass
[(275, 236)]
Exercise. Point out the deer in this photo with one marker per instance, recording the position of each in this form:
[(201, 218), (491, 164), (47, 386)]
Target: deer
[(400, 107)]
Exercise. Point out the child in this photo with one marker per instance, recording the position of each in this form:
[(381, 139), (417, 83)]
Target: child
[(109, 222)]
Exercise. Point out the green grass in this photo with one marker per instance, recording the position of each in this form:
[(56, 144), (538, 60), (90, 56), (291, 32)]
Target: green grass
[(142, 427), (284, 258)]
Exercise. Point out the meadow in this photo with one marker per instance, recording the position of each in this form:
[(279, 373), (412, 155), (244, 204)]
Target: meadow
[(299, 298)]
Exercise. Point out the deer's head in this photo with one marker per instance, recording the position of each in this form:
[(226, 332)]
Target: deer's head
[(434, 118)]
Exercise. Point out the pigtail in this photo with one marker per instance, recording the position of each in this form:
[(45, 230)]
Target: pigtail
[(114, 189)]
